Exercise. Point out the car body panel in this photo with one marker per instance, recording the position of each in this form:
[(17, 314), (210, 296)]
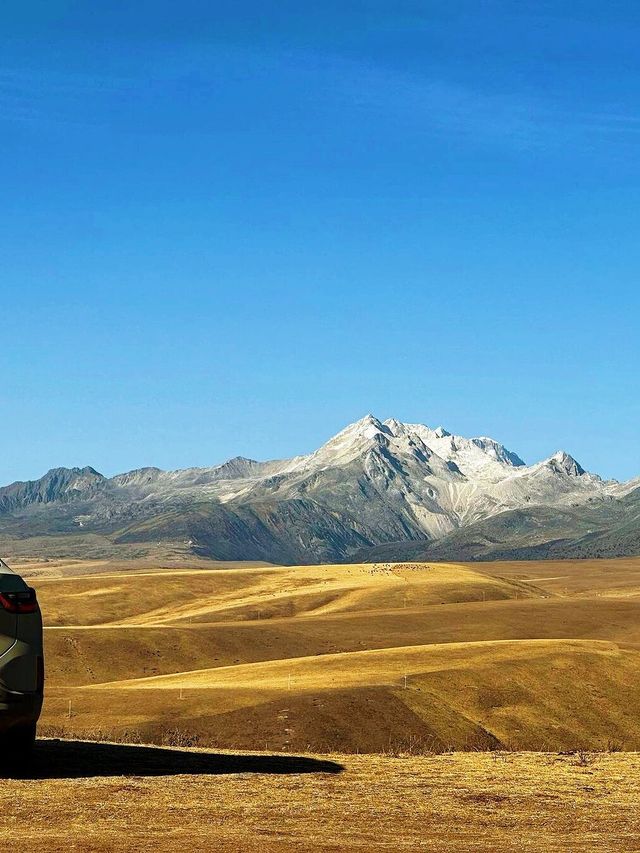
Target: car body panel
[(9, 582), (21, 659)]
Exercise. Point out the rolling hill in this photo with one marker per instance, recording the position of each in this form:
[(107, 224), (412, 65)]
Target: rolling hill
[(348, 658)]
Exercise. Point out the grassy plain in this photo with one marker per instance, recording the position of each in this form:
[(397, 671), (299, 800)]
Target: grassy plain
[(109, 799), (347, 708)]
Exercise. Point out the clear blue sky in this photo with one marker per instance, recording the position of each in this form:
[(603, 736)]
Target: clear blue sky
[(233, 227)]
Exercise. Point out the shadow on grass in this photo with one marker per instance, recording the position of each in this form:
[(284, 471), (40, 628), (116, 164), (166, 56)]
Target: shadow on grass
[(76, 759)]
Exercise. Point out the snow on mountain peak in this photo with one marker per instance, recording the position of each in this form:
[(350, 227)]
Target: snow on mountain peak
[(564, 463), (372, 482), (358, 427), (346, 445), (473, 457), (436, 481), (367, 427), (396, 427), (480, 461), (497, 451)]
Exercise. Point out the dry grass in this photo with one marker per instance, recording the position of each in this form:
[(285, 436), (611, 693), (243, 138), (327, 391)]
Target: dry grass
[(348, 658), (96, 797), (216, 595), (412, 663), (618, 578)]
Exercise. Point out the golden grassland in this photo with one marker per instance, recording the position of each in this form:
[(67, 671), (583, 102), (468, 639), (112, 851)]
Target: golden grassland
[(112, 798), (348, 658), (347, 708)]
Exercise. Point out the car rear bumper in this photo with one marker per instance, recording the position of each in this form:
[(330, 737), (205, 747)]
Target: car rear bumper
[(17, 709)]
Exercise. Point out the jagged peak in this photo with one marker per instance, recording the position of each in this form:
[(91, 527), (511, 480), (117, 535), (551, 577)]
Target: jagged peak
[(368, 427), (236, 462), (237, 465), (86, 471), (471, 455), (61, 473), (498, 451), (146, 474), (562, 461), (396, 426), (56, 484), (367, 421)]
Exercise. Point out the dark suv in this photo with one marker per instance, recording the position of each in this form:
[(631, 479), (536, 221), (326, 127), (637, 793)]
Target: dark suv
[(21, 664)]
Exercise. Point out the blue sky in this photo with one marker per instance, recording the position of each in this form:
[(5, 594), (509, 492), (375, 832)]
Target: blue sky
[(234, 227)]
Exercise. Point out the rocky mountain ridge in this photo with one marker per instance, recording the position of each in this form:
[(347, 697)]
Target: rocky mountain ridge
[(376, 484)]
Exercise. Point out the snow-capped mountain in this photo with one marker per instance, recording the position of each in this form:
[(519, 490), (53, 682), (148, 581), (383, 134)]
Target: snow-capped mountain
[(375, 482), (434, 480)]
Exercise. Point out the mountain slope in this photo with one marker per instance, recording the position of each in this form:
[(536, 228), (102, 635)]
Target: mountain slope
[(374, 483), (610, 529)]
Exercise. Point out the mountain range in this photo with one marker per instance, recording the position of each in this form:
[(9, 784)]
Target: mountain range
[(378, 490)]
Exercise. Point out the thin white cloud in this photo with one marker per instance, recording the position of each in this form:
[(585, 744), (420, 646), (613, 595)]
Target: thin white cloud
[(407, 102)]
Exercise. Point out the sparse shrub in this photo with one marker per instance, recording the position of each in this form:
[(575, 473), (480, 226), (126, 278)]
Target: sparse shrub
[(179, 738), (52, 731), (412, 746), (131, 736), (584, 758), (501, 754)]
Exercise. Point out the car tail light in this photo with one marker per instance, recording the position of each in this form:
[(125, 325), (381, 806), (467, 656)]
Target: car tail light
[(22, 601)]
